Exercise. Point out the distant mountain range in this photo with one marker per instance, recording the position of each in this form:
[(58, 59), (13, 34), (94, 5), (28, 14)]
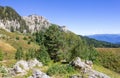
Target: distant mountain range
[(112, 38)]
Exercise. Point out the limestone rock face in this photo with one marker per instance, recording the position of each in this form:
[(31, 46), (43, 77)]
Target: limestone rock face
[(36, 23), (64, 29), (33, 22), (9, 25), (33, 63)]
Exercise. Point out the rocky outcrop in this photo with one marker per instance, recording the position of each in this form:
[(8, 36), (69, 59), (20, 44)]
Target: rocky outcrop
[(38, 74), (33, 23), (36, 23), (21, 67), (79, 64), (63, 28), (76, 76), (9, 25), (10, 20), (86, 68), (33, 63)]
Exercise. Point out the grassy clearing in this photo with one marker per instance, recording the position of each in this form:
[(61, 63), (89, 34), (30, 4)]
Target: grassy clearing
[(17, 40), (9, 42), (113, 50), (109, 58), (110, 73), (8, 50)]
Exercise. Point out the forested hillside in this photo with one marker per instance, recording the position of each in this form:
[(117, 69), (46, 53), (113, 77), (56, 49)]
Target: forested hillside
[(99, 44)]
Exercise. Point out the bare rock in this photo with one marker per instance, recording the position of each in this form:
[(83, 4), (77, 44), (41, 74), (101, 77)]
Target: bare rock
[(36, 22), (75, 76), (22, 64), (21, 67), (33, 63), (78, 63), (38, 74), (88, 62), (86, 68), (96, 74)]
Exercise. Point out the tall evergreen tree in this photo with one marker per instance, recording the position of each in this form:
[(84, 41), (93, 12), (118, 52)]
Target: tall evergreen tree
[(42, 55), (53, 41)]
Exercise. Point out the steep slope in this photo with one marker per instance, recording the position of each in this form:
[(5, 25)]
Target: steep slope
[(36, 23), (10, 41), (113, 38), (10, 20)]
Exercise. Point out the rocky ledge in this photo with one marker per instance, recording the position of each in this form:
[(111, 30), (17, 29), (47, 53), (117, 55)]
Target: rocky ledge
[(86, 69)]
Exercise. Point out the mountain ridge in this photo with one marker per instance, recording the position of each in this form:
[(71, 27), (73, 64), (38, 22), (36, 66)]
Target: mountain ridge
[(11, 21), (112, 38)]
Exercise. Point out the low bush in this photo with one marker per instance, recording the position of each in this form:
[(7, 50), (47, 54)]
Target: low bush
[(42, 55), (60, 69), (1, 55), (24, 38), (3, 71), (17, 38)]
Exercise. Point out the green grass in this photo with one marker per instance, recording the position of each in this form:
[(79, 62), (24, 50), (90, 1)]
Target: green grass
[(110, 73), (9, 44), (16, 43)]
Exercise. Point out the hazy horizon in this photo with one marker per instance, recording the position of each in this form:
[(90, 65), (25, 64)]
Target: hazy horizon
[(84, 17)]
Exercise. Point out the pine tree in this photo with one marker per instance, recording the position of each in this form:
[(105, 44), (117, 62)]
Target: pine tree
[(53, 41), (42, 55)]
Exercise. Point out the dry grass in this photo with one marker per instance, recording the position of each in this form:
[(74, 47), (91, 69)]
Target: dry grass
[(11, 39), (8, 50), (114, 50), (110, 73), (5, 47)]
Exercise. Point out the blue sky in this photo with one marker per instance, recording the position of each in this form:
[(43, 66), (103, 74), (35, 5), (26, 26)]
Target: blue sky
[(84, 17)]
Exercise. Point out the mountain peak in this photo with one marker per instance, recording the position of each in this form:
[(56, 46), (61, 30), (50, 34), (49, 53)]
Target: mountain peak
[(36, 22)]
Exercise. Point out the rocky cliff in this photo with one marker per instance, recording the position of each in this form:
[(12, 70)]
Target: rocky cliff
[(36, 22), (10, 20)]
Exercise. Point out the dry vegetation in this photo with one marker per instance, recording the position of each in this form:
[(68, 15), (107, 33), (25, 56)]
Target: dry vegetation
[(109, 58)]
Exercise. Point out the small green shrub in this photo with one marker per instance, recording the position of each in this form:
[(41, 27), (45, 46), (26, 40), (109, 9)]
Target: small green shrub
[(3, 71), (25, 38), (60, 69), (17, 38), (1, 55), (19, 54), (30, 54), (42, 55), (29, 42)]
